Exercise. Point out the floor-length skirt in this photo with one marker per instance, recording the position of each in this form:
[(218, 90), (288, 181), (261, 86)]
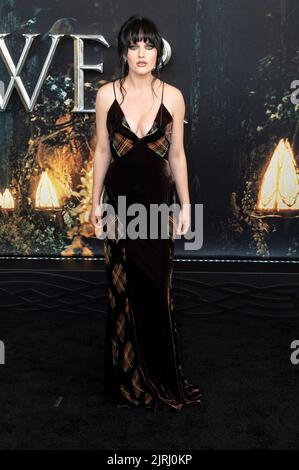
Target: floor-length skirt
[(142, 366)]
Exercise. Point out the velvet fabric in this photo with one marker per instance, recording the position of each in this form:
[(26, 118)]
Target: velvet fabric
[(142, 366)]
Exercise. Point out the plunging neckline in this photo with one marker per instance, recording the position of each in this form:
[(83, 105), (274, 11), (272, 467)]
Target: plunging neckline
[(129, 127)]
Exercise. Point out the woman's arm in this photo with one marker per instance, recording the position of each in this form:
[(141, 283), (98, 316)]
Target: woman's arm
[(177, 161), (102, 155)]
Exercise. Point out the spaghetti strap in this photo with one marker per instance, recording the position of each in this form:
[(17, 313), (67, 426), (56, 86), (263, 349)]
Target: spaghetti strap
[(161, 104), (114, 88)]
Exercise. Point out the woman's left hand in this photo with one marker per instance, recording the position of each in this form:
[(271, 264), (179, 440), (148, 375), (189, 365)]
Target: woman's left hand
[(184, 217)]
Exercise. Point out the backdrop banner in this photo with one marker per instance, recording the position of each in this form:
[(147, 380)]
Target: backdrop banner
[(236, 64)]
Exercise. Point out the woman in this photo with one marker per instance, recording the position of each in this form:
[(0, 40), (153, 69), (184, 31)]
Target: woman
[(140, 121)]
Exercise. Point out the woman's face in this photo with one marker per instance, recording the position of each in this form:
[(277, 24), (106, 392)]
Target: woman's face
[(142, 57)]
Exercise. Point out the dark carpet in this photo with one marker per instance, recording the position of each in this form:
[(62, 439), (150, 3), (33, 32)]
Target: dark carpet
[(242, 363)]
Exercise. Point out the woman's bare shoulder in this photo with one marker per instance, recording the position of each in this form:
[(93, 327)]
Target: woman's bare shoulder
[(174, 98), (105, 94), (173, 92)]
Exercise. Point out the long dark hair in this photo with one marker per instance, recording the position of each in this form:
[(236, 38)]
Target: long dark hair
[(138, 28)]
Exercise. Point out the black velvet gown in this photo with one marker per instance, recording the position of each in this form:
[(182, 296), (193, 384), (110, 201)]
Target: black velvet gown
[(142, 367)]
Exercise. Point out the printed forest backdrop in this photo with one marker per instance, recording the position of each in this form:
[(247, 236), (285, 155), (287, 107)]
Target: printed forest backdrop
[(234, 61)]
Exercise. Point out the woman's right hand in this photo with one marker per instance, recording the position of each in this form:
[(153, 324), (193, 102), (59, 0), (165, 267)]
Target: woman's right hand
[(96, 214)]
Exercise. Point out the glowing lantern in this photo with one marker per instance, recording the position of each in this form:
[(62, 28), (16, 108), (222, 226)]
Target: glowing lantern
[(46, 196), (6, 200), (279, 189)]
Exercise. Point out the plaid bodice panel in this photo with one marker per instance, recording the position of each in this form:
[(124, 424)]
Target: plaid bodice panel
[(123, 139)]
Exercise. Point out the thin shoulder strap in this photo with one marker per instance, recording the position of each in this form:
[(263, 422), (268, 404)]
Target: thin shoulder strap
[(161, 105), (114, 88)]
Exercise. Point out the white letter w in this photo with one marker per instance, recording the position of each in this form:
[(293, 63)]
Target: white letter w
[(14, 71)]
